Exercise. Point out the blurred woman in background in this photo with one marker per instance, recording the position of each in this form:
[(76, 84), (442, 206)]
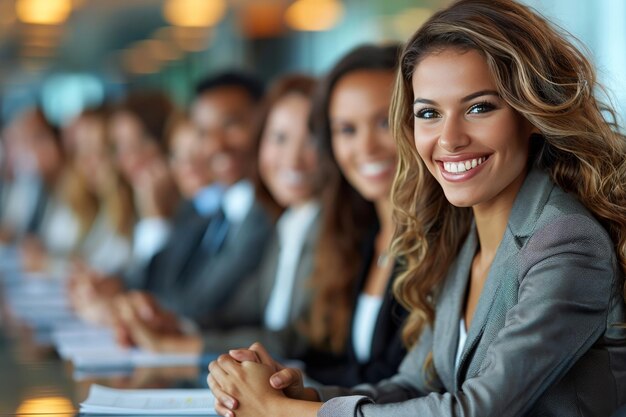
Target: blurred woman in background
[(99, 198), (354, 323), (138, 134)]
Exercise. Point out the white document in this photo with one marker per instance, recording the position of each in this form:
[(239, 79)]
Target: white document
[(179, 402), (70, 346), (95, 348), (117, 357)]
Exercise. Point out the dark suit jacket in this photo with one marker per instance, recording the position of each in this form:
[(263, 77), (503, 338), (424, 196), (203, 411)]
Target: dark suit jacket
[(387, 349), (242, 323), (544, 340), (188, 227), (198, 286)]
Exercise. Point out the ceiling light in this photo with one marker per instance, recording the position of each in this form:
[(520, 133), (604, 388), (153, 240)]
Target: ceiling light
[(43, 12), (194, 13), (314, 15)]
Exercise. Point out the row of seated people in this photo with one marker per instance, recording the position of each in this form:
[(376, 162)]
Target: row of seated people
[(253, 217)]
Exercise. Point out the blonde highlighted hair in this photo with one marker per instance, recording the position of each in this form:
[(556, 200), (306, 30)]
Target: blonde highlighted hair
[(114, 197), (545, 78)]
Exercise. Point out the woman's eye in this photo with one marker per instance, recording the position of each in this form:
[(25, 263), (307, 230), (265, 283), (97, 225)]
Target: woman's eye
[(383, 123), (481, 108), (426, 114), (344, 130), (279, 137)]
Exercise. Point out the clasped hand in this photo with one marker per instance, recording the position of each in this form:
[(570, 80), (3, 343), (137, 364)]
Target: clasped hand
[(250, 381)]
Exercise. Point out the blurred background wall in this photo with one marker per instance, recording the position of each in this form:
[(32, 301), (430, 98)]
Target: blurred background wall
[(68, 54)]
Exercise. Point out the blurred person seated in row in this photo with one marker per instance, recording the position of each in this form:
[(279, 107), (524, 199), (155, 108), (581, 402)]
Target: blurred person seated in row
[(20, 184), (200, 270), (100, 201), (289, 178), (33, 162), (138, 132), (136, 135), (354, 327), (218, 245)]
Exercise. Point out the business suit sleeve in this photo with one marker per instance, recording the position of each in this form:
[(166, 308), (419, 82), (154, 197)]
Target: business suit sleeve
[(567, 276)]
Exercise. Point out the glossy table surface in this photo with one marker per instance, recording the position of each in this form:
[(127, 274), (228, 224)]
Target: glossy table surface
[(34, 381)]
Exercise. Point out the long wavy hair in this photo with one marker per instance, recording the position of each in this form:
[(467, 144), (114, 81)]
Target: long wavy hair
[(347, 218), (545, 78)]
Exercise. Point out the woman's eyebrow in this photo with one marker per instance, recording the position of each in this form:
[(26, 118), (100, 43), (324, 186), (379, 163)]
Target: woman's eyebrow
[(463, 100)]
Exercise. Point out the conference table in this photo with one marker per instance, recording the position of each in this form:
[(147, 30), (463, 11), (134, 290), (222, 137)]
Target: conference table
[(35, 381)]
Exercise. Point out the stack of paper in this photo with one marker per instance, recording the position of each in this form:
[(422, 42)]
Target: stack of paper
[(179, 402), (95, 348), (38, 302), (41, 302)]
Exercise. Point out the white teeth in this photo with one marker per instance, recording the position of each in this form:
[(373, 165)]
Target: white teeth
[(463, 166), (291, 177), (221, 161), (374, 168)]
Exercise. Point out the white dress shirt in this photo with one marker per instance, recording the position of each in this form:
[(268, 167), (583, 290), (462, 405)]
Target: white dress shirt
[(149, 237), (237, 201), (292, 229), (365, 317), (461, 345)]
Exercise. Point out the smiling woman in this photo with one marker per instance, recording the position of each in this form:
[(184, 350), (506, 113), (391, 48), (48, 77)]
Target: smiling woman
[(510, 214)]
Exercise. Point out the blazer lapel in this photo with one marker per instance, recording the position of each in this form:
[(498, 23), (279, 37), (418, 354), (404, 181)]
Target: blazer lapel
[(449, 306), (269, 269), (489, 294), (301, 295), (522, 220)]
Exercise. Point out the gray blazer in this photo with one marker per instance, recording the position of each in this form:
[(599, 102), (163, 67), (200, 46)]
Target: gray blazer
[(241, 323), (543, 340)]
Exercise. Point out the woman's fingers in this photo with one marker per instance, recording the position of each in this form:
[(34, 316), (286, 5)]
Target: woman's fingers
[(222, 411), (217, 376), (221, 397), (244, 355), (264, 356), (144, 305), (285, 378)]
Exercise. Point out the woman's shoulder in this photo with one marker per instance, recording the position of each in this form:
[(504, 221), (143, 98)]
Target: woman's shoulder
[(545, 210), (564, 213), (563, 227)]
